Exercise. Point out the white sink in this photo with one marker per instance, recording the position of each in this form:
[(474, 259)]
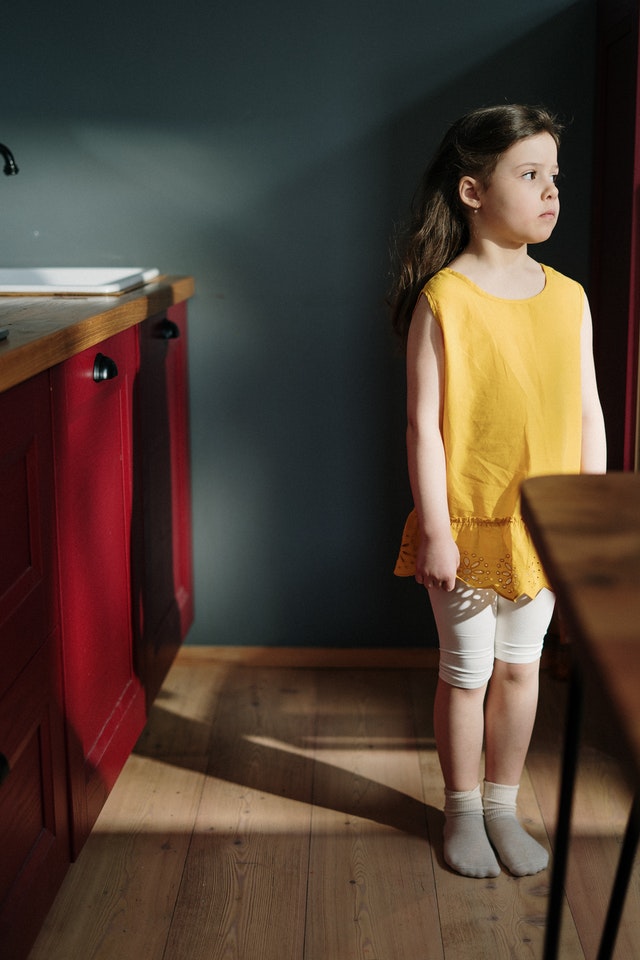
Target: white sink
[(72, 280)]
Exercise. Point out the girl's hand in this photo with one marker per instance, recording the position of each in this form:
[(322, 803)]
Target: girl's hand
[(437, 562)]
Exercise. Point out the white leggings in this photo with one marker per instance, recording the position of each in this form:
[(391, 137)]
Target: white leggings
[(477, 626)]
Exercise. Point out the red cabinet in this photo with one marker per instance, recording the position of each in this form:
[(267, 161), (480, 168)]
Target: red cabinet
[(104, 700), (124, 542), (163, 590), (33, 783), (95, 592)]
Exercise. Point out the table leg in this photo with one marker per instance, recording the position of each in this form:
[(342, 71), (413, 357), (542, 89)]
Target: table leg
[(618, 894), (563, 827)]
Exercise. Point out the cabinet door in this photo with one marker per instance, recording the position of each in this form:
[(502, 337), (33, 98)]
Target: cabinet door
[(104, 700), (164, 594), (33, 800), (28, 608), (34, 841)]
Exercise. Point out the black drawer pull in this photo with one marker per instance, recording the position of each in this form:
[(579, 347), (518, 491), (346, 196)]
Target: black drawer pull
[(168, 330), (104, 368), (5, 769)]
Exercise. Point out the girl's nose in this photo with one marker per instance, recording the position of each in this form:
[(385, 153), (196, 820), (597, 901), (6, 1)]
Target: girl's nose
[(551, 189)]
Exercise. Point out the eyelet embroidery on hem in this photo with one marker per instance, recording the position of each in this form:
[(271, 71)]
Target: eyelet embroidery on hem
[(500, 576), (476, 571), (509, 575)]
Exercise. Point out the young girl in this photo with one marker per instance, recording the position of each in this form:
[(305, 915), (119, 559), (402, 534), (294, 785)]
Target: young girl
[(500, 386)]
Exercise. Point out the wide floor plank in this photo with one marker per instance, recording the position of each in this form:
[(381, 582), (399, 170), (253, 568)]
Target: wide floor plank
[(371, 887), (118, 899), (244, 889)]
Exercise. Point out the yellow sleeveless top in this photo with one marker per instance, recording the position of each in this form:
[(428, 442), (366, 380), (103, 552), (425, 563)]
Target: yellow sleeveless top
[(512, 410)]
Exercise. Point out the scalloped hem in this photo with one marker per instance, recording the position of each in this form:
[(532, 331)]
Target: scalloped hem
[(495, 554)]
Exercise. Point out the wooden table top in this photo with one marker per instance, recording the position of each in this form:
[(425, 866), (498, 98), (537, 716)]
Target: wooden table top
[(587, 532), (47, 330)]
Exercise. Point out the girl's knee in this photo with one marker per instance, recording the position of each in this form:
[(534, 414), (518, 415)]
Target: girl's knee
[(469, 672), (516, 673)]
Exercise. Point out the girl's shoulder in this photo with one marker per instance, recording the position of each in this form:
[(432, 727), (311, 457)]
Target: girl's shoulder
[(446, 277), (554, 276), (564, 292)]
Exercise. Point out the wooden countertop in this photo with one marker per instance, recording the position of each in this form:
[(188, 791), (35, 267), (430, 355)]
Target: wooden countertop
[(44, 331), (587, 532)]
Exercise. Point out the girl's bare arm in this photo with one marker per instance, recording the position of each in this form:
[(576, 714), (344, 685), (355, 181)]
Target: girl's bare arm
[(438, 556), (594, 444)]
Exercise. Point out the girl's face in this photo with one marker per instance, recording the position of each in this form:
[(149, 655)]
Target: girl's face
[(520, 204)]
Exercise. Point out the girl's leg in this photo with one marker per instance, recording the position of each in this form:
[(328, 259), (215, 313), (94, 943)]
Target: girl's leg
[(458, 724), (509, 717), (466, 629), (510, 713), (458, 721)]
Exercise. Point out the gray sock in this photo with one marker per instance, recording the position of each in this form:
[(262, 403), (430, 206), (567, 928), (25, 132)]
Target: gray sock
[(466, 846), (519, 852)]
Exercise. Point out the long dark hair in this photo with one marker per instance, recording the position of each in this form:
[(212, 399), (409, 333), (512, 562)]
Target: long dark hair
[(438, 229)]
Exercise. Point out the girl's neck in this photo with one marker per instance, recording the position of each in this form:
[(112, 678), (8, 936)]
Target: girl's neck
[(511, 274)]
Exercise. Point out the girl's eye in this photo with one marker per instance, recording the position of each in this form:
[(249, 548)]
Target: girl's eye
[(532, 174)]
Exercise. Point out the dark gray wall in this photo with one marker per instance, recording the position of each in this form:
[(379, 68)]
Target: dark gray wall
[(267, 149)]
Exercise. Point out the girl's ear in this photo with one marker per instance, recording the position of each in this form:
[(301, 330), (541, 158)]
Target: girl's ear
[(468, 190)]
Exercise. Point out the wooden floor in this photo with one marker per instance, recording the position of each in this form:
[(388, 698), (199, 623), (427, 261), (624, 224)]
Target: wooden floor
[(286, 805)]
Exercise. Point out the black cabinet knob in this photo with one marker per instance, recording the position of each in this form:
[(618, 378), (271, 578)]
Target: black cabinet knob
[(168, 330), (104, 368), (5, 769)]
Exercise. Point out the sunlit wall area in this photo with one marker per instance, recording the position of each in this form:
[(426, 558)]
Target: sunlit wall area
[(268, 150)]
